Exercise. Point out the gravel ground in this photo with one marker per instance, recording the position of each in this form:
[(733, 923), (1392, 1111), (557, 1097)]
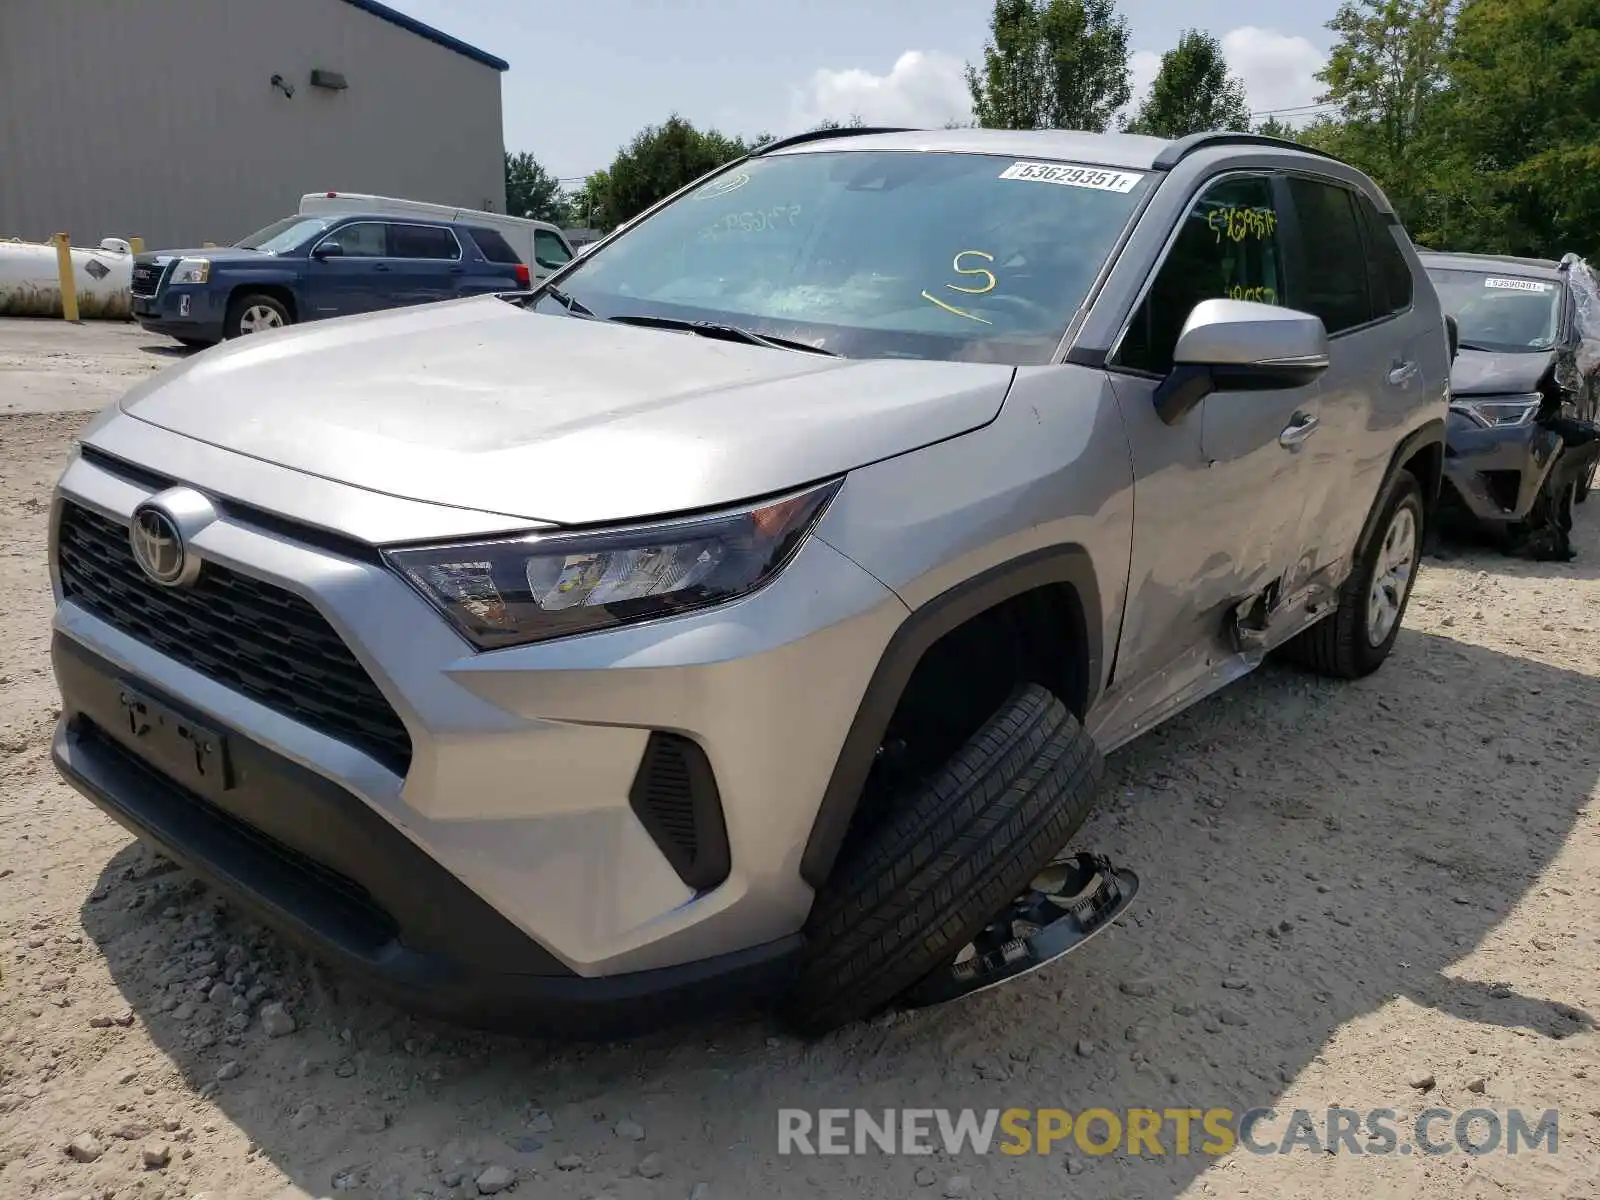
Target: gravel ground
[(1379, 895)]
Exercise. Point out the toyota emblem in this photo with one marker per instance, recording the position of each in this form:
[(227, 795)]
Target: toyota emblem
[(158, 547)]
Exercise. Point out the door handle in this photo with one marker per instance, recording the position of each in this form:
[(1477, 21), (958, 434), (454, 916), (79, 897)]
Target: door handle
[(1302, 426), (455, 270), (1401, 373), (380, 266)]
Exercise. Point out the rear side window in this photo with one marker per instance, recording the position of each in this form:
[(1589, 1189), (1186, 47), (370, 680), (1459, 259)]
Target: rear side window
[(1387, 270), (1333, 283), (550, 250), (494, 247), (422, 241), (1226, 249)]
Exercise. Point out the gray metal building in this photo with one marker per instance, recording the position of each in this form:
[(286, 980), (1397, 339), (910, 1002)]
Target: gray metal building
[(187, 121)]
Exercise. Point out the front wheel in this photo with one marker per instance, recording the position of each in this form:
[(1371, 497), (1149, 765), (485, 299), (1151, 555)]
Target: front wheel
[(909, 895), (255, 312), (1354, 639)]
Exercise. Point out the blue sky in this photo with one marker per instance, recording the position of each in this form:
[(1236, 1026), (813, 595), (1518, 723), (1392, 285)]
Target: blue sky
[(585, 77)]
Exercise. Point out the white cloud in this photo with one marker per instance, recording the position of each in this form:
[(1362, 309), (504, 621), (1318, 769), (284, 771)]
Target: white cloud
[(1279, 71), (928, 88), (923, 89), (1142, 68)]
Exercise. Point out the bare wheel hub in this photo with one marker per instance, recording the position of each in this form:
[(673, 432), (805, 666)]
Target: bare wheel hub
[(1070, 901)]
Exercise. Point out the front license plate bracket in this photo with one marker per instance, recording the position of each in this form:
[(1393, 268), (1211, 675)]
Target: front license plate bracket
[(188, 750)]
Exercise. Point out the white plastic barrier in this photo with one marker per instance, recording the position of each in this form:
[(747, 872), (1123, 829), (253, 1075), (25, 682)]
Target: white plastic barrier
[(30, 280)]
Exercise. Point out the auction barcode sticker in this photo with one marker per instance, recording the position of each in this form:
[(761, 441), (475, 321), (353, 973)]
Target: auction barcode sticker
[(1518, 285), (1069, 175)]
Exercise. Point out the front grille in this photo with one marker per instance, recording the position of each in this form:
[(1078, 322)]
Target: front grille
[(260, 640), (146, 280)]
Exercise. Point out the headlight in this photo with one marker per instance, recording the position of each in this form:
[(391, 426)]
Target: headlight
[(191, 270), (1499, 410), (508, 592)]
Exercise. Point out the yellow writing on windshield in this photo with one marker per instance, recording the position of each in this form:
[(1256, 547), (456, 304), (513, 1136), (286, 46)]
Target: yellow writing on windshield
[(989, 284), (1241, 224), (1261, 295), (987, 274)]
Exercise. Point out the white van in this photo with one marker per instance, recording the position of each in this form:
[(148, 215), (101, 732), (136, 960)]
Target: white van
[(537, 243)]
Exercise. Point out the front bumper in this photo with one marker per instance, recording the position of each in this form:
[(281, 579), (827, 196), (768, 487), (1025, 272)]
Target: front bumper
[(521, 760), (1495, 474), (190, 313), (312, 860)]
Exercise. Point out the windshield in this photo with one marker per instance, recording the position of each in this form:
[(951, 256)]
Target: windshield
[(873, 254), (1504, 313), (284, 235)]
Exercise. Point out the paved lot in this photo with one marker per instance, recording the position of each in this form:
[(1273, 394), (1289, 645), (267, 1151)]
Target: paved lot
[(1380, 895)]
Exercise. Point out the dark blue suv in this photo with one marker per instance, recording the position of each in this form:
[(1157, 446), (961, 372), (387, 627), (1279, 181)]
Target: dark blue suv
[(306, 267)]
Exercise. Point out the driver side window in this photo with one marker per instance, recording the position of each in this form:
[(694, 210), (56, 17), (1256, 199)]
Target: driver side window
[(362, 239), (1227, 248)]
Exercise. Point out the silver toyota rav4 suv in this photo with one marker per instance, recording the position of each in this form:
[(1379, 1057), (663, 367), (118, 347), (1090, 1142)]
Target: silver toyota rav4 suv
[(742, 616)]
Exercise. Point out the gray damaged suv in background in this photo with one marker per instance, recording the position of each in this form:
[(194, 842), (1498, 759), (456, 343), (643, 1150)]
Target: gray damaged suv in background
[(743, 615)]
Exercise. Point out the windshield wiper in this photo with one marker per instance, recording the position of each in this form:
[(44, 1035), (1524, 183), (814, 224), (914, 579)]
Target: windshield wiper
[(576, 307), (730, 333)]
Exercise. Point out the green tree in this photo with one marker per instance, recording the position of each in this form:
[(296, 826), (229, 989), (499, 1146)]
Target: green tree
[(1272, 127), (853, 121), (586, 206), (1051, 64), (1193, 92), (1522, 128), (659, 161), (531, 191), (1386, 73)]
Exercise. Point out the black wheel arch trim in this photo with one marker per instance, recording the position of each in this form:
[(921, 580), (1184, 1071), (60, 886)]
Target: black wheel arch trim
[(1070, 565), (1431, 433)]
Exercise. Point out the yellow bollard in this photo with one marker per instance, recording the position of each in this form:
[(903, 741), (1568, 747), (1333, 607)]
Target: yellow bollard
[(136, 245), (69, 287)]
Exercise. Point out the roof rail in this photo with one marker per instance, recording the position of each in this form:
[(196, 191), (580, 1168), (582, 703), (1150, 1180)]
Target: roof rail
[(817, 135), (1180, 149)]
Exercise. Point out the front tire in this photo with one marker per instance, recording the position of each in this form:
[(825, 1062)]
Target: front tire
[(1352, 641), (910, 894), (255, 312)]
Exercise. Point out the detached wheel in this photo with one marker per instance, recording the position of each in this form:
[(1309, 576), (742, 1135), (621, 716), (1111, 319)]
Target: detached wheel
[(255, 312), (912, 893), (1352, 641)]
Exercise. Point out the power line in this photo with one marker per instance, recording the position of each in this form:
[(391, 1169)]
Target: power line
[(1307, 109)]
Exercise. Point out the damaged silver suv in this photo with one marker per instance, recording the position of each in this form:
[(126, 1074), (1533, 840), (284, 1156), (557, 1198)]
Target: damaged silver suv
[(742, 616)]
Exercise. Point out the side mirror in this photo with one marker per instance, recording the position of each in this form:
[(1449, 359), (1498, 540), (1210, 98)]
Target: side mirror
[(1452, 328), (327, 250), (1241, 346)]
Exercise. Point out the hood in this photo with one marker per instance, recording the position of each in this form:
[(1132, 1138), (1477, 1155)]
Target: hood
[(1489, 373), (217, 254), (480, 404)]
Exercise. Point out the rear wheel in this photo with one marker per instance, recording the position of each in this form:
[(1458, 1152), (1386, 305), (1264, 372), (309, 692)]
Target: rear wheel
[(255, 312), (912, 892), (1354, 639)]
